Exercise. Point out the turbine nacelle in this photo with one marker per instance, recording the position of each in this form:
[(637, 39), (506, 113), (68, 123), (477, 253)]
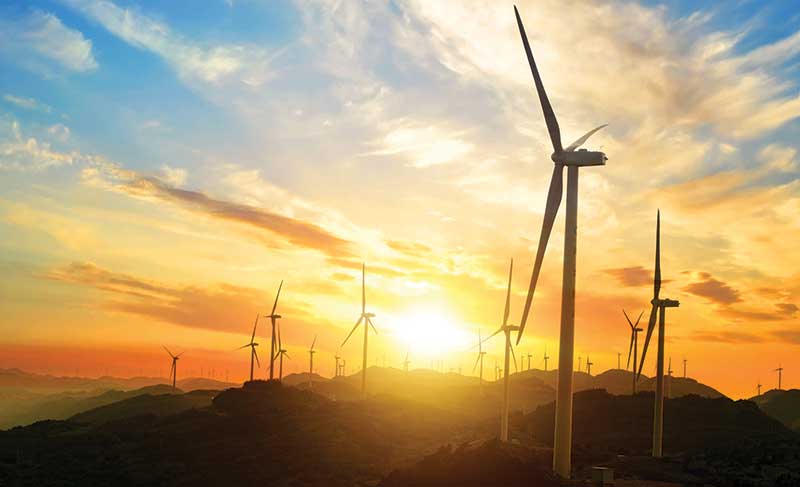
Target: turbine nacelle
[(368, 315), (581, 157)]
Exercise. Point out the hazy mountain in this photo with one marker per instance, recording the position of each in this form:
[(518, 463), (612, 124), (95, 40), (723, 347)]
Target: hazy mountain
[(263, 433), (162, 404), (783, 405)]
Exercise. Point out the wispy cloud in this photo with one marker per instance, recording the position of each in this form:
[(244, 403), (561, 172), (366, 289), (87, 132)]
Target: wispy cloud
[(40, 41), (28, 153), (194, 61), (424, 146), (716, 291), (27, 103)]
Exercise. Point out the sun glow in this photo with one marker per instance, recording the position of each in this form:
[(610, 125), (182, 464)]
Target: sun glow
[(431, 333)]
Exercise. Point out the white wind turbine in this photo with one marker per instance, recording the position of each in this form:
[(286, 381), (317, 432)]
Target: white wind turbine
[(252, 345), (311, 353), (366, 318), (273, 317), (634, 345), (506, 329), (173, 371), (573, 160)]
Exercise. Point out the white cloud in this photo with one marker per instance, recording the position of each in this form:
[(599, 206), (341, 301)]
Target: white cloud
[(28, 154), (175, 176), (27, 103), (59, 131), (40, 39), (193, 61), (425, 146)]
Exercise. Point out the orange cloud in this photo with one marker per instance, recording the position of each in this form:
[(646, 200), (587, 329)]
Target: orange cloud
[(712, 289)]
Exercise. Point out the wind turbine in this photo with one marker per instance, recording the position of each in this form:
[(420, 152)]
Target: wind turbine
[(311, 353), (759, 387), (173, 371), (669, 376), (252, 345), (659, 309), (279, 355), (684, 367), (479, 360), (530, 356), (509, 351), (634, 345), (562, 446), (779, 370), (367, 319), (589, 366), (619, 361), (406, 362), (273, 317), (546, 358), (336, 370)]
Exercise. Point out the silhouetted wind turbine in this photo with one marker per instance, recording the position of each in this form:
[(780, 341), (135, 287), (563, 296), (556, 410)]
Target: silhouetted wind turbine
[(634, 345), (252, 345), (479, 360), (759, 387), (619, 360), (280, 354), (311, 353), (546, 358), (336, 369), (684, 367), (367, 319), (669, 377), (173, 371), (659, 308), (406, 362), (530, 356), (779, 370), (273, 317), (589, 365), (509, 350), (573, 159)]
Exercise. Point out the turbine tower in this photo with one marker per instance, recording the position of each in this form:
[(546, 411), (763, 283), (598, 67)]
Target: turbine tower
[(759, 387), (311, 353), (479, 360), (658, 310), (779, 370), (173, 371), (684, 367), (273, 318), (530, 356), (546, 358), (634, 345), (509, 351), (619, 360), (252, 345), (279, 355), (336, 369), (562, 445), (589, 366), (366, 318), (406, 362)]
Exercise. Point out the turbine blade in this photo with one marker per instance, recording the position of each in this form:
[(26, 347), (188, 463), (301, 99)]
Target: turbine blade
[(550, 212), (508, 294), (314, 342), (583, 139), (254, 329), (547, 110), (629, 320), (373, 326), (243, 346), (657, 275), (650, 327), (511, 347), (170, 353), (255, 354), (478, 359), (363, 288), (351, 331), (287, 355), (275, 306), (630, 350), (639, 318)]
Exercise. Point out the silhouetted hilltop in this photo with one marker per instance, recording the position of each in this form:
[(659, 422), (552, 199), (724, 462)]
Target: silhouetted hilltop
[(479, 464), (263, 433), (783, 405)]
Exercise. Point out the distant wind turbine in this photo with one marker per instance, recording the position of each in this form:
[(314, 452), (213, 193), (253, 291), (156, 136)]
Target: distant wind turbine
[(530, 356), (252, 345), (589, 365), (634, 345), (546, 358), (282, 352), (659, 309), (366, 318), (479, 361), (684, 367), (311, 353), (173, 371), (406, 362), (669, 377), (506, 329), (336, 369), (562, 446), (273, 317), (779, 370), (580, 360), (759, 387)]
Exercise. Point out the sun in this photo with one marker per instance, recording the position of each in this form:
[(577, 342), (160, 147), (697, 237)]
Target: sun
[(430, 332)]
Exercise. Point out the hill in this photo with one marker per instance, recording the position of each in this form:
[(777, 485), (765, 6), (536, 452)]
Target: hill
[(783, 405), (146, 404)]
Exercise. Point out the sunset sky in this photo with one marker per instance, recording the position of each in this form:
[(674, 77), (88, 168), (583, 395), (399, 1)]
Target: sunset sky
[(164, 165)]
